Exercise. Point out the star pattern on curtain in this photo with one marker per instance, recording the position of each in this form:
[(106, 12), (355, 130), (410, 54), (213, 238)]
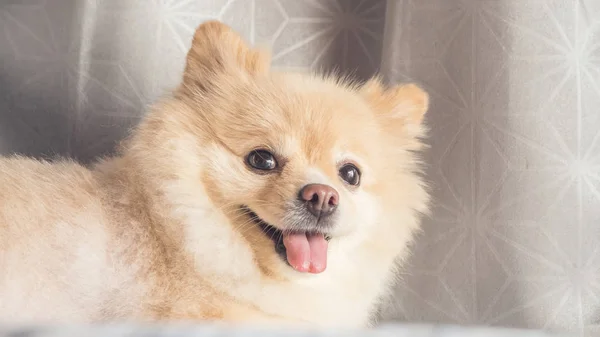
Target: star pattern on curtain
[(515, 153)]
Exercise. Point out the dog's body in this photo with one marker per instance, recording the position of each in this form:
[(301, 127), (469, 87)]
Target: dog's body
[(178, 227)]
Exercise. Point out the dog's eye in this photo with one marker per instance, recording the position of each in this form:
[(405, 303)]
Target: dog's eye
[(262, 160), (350, 174)]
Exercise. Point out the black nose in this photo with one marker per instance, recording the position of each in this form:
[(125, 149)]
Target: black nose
[(321, 200)]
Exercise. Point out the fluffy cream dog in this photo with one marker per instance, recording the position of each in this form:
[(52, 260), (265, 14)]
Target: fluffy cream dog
[(248, 195)]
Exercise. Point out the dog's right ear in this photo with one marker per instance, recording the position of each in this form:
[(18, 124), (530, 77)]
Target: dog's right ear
[(218, 49), (400, 108)]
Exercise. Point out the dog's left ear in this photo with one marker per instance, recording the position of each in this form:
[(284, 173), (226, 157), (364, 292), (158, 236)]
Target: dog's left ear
[(400, 108), (218, 50)]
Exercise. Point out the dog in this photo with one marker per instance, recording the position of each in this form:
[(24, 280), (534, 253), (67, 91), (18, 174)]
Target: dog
[(246, 196)]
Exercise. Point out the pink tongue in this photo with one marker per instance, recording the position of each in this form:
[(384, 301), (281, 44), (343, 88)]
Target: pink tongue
[(306, 252)]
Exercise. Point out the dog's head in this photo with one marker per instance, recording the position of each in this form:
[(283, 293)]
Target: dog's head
[(297, 160)]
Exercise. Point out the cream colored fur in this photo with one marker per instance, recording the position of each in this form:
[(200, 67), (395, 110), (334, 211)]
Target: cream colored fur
[(155, 233)]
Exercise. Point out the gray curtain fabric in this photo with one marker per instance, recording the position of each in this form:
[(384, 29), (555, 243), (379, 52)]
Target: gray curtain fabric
[(515, 146)]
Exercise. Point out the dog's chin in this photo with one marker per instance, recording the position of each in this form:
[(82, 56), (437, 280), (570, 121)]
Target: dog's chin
[(273, 233)]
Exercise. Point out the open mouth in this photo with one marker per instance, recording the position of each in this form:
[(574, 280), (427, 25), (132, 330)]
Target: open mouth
[(271, 232), (304, 251)]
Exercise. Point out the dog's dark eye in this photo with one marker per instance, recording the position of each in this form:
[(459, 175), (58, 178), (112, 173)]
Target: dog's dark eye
[(261, 160), (350, 174)]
